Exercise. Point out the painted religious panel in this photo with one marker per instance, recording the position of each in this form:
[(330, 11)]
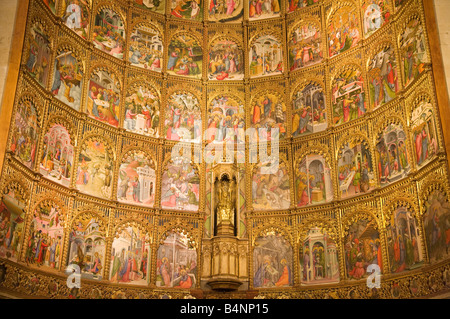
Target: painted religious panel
[(293, 5), (268, 111), (313, 181), (12, 224), (146, 48), (226, 61), (109, 33), (225, 10), (272, 261), (376, 14), (137, 179), (437, 226), (308, 110), (130, 257), (57, 156), (77, 16), (158, 6), (226, 120), (355, 172), (95, 169), (348, 96), (142, 110), (266, 56), (423, 127), (185, 56), (263, 9), (362, 247), (25, 134), (271, 186), (87, 248), (383, 77), (183, 118), (180, 186), (404, 244), (305, 46), (103, 100), (413, 50), (187, 9), (51, 4), (38, 63), (392, 156), (68, 79), (176, 262), (343, 30), (46, 238), (319, 263)]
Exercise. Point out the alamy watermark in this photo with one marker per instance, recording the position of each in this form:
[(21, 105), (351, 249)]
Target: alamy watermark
[(74, 279), (231, 138), (374, 280)]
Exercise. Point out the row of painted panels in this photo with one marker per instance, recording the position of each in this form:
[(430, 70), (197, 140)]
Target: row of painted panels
[(362, 165), (223, 11), (184, 53), (408, 241), (350, 93)]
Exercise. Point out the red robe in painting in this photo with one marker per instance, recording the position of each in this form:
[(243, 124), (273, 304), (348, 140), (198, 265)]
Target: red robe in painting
[(358, 271), (284, 279), (41, 252), (186, 282)]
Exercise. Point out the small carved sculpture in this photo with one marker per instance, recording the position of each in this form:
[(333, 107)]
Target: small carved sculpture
[(225, 206)]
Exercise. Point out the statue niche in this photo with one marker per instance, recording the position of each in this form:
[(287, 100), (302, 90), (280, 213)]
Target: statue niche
[(225, 210)]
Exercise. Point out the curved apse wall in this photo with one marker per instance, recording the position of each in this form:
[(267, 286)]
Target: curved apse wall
[(107, 88)]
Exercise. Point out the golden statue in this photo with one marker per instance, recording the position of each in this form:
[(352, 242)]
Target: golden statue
[(225, 205)]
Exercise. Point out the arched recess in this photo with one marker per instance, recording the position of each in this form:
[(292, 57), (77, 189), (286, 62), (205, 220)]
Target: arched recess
[(77, 17), (68, 73), (136, 184), (57, 155), (130, 255), (271, 181), (177, 259), (25, 133), (272, 258), (392, 149), (146, 49), (13, 214), (383, 72), (313, 178), (435, 216), (348, 94), (142, 108), (183, 116), (108, 33), (225, 59), (309, 110), (318, 250), (46, 232), (87, 243), (265, 42), (340, 37), (404, 234), (95, 166), (362, 242), (268, 112), (354, 164), (103, 98), (180, 185)]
